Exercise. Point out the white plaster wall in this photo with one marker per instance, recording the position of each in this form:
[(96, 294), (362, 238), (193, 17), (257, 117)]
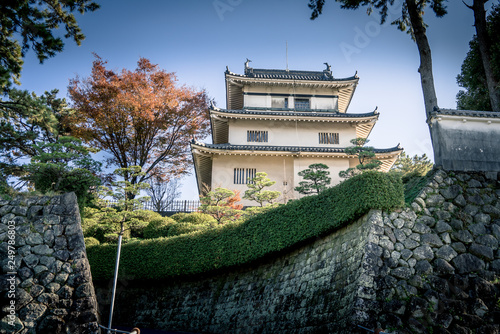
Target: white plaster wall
[(283, 170), (279, 169), (470, 124), (290, 133), (257, 101), (324, 103)]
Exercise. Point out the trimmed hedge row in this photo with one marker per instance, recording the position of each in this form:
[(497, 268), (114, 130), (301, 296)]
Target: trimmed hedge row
[(238, 243)]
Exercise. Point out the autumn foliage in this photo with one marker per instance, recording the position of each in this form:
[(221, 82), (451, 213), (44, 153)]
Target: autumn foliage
[(141, 117), (221, 204)]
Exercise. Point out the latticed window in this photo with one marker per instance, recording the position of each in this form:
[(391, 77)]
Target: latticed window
[(244, 175), (257, 136), (302, 104), (328, 138)]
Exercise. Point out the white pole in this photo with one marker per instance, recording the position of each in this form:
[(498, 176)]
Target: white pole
[(117, 263)]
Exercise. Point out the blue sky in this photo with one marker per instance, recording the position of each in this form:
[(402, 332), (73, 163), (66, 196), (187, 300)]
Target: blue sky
[(198, 39)]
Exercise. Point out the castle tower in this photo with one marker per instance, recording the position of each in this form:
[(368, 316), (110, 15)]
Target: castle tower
[(280, 122)]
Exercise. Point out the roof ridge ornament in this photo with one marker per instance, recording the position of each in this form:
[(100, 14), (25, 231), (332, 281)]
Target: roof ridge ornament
[(212, 105), (248, 69), (376, 110)]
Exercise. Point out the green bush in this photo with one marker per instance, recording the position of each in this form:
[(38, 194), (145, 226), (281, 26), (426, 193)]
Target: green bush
[(158, 228), (196, 218), (167, 227), (241, 242), (139, 220), (91, 241), (100, 223), (184, 228)]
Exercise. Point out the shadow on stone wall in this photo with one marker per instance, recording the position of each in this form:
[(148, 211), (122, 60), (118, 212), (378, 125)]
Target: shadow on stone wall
[(45, 282)]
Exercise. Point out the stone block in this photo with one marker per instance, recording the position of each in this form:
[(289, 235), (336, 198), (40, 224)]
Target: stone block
[(467, 263), (434, 200), (462, 236), (460, 201), (42, 250), (443, 267), (442, 226), (431, 239), (446, 253), (32, 312), (31, 260), (459, 247), (488, 240), (423, 267), (421, 228), (483, 252), (423, 253), (410, 244), (34, 239), (451, 192)]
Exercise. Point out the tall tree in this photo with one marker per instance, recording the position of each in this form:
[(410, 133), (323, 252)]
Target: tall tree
[(473, 74), (35, 23), (416, 165), (26, 122), (64, 166), (142, 118), (484, 43), (411, 20)]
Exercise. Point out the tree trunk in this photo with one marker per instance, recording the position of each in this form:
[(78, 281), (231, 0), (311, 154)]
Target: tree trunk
[(424, 50), (484, 51)]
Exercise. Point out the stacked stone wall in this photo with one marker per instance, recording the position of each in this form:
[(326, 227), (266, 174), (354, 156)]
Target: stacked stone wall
[(311, 289), (45, 283), (435, 268)]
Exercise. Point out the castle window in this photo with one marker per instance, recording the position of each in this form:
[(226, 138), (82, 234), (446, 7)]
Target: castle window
[(328, 138), (279, 102), (302, 104), (257, 136), (244, 175)]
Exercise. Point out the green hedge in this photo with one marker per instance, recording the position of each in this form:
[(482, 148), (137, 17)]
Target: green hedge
[(238, 243)]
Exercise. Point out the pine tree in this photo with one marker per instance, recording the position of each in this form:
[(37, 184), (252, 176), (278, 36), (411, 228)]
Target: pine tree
[(256, 190), (318, 179)]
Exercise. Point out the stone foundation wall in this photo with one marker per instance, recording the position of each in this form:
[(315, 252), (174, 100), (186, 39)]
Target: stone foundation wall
[(430, 268), (436, 267), (309, 290), (45, 281)]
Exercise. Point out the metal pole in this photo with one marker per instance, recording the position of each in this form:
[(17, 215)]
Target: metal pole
[(117, 263)]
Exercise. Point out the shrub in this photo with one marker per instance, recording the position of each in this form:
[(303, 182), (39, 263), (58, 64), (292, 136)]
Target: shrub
[(101, 223), (184, 228), (241, 242), (196, 218), (158, 228), (139, 220), (91, 241)]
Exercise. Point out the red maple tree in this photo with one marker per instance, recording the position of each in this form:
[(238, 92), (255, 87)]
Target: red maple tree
[(141, 117)]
